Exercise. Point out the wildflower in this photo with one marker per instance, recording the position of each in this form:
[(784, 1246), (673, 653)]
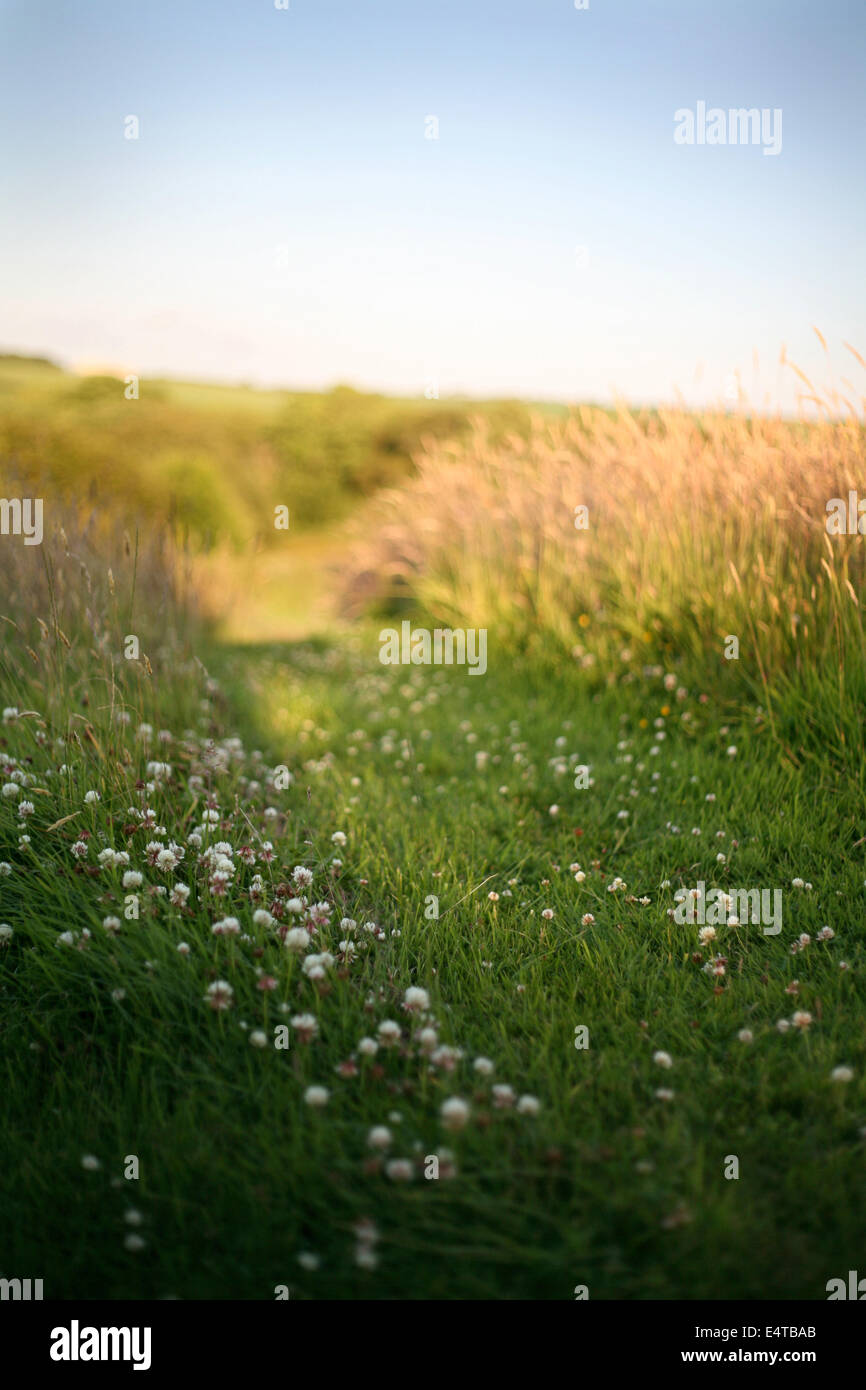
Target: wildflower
[(528, 1105), (379, 1137), (133, 1242), (842, 1074), (587, 920), (307, 1260), (183, 948), (826, 934), (305, 1025), (368, 1047), (227, 926), (706, 934), (663, 1059), (547, 914), (338, 838), (297, 940), (399, 1169), (454, 1112), (317, 1096), (801, 1019), (745, 1035), (6, 933), (416, 1000), (90, 1162), (503, 1097), (132, 879), (219, 995), (258, 1038), (10, 790), (389, 1032), (91, 797), (483, 1066), (664, 1094)]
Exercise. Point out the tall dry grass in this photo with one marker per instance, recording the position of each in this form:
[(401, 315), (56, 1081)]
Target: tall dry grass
[(700, 526)]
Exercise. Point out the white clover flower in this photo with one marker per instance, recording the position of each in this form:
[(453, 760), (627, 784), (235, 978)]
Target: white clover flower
[(91, 797), (297, 939), (132, 879), (842, 1074), (399, 1169), (134, 1242), (454, 1113), (706, 934), (6, 933), (416, 1000), (528, 1105), (663, 1059), (227, 926), (503, 1096), (305, 1025), (745, 1035), (379, 1137), (389, 1032), (317, 1096), (219, 995), (483, 1066), (258, 1038), (368, 1047), (338, 838), (90, 1162), (183, 947), (10, 790)]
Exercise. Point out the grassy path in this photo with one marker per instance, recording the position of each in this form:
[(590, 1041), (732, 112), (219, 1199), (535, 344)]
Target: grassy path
[(596, 1166)]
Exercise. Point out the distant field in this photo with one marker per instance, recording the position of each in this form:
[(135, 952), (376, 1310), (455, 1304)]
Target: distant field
[(214, 461)]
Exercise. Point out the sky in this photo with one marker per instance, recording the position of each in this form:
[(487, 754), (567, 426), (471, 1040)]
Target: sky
[(284, 219)]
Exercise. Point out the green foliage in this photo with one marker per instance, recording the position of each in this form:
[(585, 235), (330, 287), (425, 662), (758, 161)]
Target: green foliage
[(215, 461)]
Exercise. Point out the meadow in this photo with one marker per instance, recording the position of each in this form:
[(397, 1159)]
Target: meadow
[(326, 979)]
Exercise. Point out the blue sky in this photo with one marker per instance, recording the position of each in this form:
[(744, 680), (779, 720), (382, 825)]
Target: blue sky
[(282, 218)]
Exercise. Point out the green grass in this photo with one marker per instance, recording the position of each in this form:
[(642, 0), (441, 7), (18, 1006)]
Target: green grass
[(607, 1186)]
